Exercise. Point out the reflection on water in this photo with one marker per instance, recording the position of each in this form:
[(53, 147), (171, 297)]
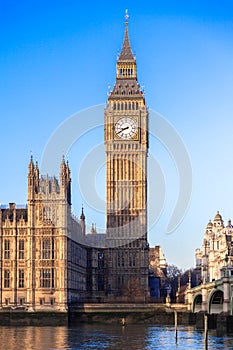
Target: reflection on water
[(95, 337)]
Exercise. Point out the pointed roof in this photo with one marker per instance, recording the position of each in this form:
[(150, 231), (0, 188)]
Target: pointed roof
[(209, 225), (31, 164), (229, 225), (218, 217), (82, 216), (37, 172), (63, 164), (126, 51)]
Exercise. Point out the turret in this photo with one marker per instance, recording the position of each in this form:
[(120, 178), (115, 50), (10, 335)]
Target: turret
[(68, 183), (31, 192), (93, 228), (31, 179), (63, 172), (218, 221), (65, 180), (83, 222), (209, 226), (229, 225), (37, 178)]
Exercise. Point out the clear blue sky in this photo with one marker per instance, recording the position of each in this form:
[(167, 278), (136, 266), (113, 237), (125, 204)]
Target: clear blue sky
[(58, 57)]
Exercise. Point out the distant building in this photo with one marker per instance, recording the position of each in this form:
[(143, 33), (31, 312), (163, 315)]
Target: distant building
[(157, 272), (216, 255)]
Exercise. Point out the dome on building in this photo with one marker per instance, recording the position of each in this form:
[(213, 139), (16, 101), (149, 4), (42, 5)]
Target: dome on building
[(209, 225), (218, 221), (218, 217), (229, 225)]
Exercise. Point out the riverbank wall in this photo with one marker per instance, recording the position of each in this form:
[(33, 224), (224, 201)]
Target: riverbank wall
[(131, 314), (157, 314), (27, 318), (99, 313)]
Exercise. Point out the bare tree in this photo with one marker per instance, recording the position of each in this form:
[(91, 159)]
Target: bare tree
[(173, 272)]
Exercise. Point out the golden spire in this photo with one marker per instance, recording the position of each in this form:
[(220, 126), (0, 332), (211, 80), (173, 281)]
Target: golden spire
[(126, 52)]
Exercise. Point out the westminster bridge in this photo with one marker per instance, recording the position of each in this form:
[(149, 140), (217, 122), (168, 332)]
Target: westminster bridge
[(212, 297)]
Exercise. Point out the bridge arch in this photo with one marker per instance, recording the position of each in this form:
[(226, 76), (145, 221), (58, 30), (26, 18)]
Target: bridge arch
[(215, 301), (197, 303)]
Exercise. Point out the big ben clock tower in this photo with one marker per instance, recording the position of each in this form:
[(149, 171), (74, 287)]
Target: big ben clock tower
[(126, 144)]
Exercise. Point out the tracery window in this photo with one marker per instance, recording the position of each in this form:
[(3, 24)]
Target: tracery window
[(21, 278), (7, 249), (47, 213), (47, 278), (6, 278), (45, 248), (21, 249)]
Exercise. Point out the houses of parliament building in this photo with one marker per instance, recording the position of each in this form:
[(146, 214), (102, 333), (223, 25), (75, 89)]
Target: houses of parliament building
[(46, 259)]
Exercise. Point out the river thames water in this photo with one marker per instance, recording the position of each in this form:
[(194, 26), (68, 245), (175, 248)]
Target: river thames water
[(93, 337)]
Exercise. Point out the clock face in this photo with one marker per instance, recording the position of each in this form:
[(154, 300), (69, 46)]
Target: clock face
[(126, 128)]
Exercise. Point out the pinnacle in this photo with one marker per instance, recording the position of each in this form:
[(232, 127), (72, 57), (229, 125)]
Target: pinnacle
[(126, 52)]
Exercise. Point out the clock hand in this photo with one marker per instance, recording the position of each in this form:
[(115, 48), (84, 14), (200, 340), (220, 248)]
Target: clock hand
[(127, 127)]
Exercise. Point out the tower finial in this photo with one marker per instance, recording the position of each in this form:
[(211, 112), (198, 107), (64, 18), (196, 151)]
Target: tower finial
[(126, 16)]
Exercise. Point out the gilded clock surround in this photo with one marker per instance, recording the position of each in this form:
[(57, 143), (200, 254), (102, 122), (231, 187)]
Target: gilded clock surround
[(127, 128)]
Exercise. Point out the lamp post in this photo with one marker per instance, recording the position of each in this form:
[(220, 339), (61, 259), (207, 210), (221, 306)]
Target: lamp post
[(190, 280), (229, 281), (227, 275), (230, 298), (204, 270), (205, 264), (226, 271)]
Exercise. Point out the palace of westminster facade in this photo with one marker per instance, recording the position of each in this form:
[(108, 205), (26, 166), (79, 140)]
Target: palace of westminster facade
[(49, 262), (46, 259)]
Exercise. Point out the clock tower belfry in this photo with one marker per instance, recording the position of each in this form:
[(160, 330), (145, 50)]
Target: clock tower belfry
[(126, 144)]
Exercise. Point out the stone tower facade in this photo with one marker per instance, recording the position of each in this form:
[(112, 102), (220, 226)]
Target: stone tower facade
[(126, 144)]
